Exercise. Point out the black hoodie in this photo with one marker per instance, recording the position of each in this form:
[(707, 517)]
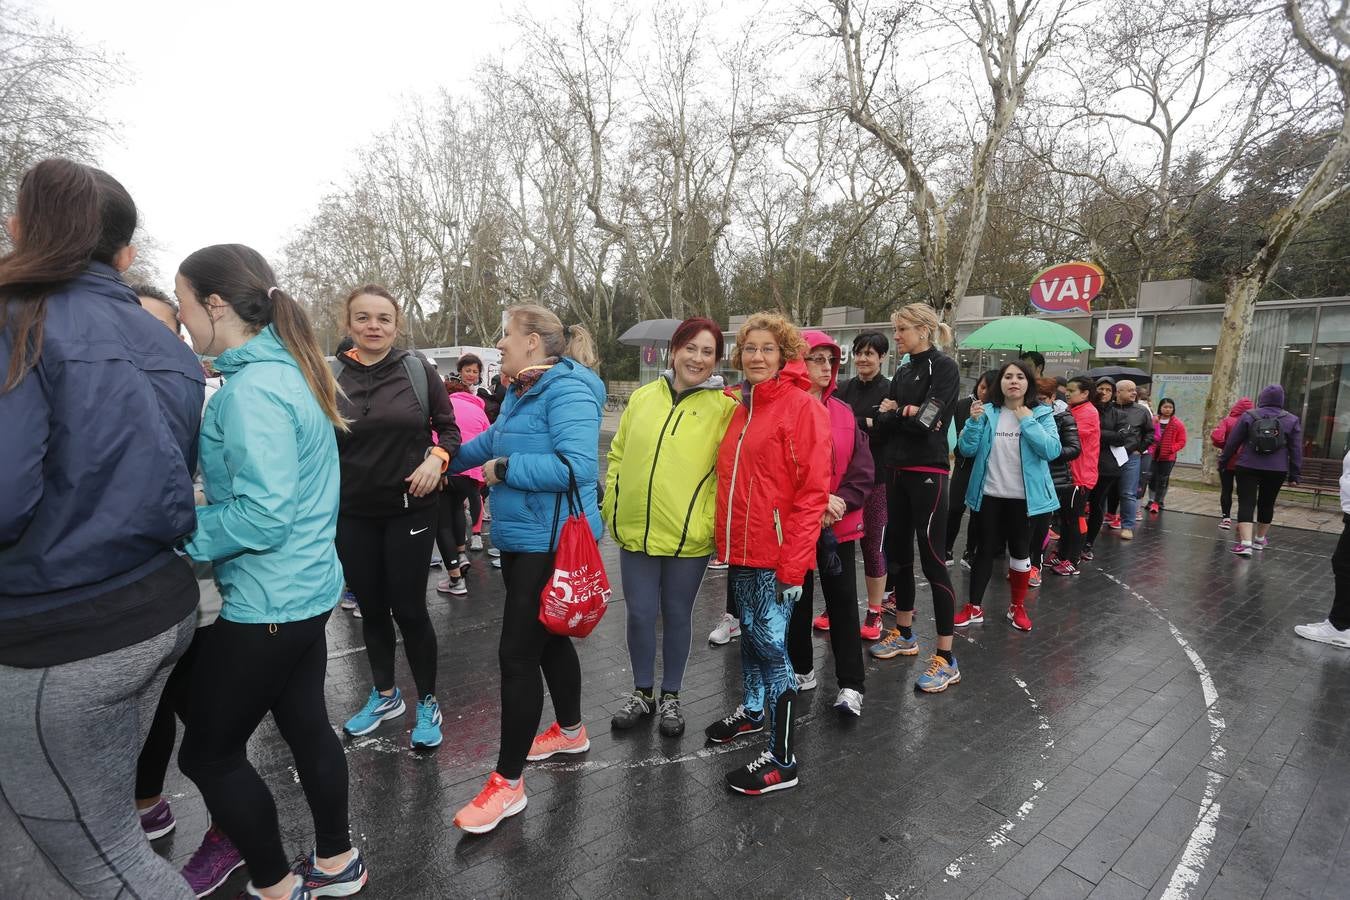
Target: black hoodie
[(864, 397), (388, 437), (928, 375)]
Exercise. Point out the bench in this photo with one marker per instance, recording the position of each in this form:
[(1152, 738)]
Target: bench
[(1319, 476)]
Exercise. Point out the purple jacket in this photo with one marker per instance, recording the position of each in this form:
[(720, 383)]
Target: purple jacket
[(1270, 402)]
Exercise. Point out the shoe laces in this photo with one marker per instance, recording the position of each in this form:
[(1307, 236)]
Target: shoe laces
[(873, 616), (636, 702), (490, 790), (738, 714), (426, 714), (935, 665), (670, 707), (760, 762)]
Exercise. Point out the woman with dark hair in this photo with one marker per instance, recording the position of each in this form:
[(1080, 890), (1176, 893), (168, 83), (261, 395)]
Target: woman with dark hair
[(270, 473), (546, 439), (460, 491), (469, 372), (1169, 439), (1010, 484), (660, 495), (864, 393), (1108, 468), (391, 476), (1071, 448), (1267, 442), (961, 475), (95, 606)]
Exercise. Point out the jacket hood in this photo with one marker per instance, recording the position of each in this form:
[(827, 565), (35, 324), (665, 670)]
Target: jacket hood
[(265, 346), (714, 382), (1240, 407), (468, 397), (1059, 406), (816, 339), (1271, 396), (567, 367), (792, 375)]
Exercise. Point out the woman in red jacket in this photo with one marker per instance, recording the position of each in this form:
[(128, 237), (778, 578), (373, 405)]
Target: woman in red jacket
[(1228, 474), (1169, 439), (773, 479)]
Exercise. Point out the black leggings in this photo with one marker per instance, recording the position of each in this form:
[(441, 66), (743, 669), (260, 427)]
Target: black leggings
[(1161, 476), (1004, 523), (1257, 490), (243, 672), (452, 531), (1226, 480), (918, 508), (1097, 505), (157, 750), (841, 603), (1068, 527), (1071, 505), (386, 561), (525, 649), (956, 506)]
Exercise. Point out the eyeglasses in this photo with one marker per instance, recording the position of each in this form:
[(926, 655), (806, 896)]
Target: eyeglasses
[(766, 350), (820, 360)]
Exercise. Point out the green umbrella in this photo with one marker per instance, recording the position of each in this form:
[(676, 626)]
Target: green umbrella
[(1023, 333)]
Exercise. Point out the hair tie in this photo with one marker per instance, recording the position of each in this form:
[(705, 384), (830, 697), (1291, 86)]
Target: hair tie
[(567, 332), (270, 291)]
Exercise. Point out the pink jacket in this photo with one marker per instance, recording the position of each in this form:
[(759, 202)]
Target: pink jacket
[(852, 470), (471, 417)]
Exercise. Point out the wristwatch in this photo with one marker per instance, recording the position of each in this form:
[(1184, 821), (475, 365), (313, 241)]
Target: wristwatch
[(500, 469)]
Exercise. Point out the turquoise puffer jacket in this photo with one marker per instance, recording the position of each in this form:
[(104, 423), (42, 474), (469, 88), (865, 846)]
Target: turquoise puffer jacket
[(1040, 444), (269, 465), (561, 412)]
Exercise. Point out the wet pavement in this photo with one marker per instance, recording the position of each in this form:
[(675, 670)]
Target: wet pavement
[(1160, 732)]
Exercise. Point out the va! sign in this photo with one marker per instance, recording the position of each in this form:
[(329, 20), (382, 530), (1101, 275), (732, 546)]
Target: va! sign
[(1067, 286)]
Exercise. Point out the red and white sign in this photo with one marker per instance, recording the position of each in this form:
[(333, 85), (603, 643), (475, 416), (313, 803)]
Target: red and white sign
[(1067, 286)]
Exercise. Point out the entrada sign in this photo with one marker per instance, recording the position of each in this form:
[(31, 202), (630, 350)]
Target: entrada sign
[(1067, 286)]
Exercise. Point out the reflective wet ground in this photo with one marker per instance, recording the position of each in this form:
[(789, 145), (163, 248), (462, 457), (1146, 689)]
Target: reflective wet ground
[(1160, 732)]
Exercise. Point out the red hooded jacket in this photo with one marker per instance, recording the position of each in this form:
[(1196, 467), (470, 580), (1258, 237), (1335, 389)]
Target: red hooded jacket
[(1083, 468), (773, 477), (852, 470), (1219, 436)]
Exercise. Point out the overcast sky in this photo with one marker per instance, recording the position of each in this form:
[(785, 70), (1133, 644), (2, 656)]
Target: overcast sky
[(237, 117)]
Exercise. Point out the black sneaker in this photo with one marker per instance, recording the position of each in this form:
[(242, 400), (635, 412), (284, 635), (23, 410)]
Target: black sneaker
[(733, 726), (950, 560), (637, 707), (672, 720), (762, 776), (1087, 552)]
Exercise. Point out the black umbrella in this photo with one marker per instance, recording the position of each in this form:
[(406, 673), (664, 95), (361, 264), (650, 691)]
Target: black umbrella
[(652, 331), (1138, 376)]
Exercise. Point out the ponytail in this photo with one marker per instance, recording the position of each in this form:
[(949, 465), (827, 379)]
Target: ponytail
[(559, 340), (297, 335), (921, 315)]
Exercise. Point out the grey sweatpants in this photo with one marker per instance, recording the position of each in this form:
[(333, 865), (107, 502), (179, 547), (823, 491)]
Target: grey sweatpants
[(69, 738)]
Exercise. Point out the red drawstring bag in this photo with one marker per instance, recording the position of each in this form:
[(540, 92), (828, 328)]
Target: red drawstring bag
[(576, 597)]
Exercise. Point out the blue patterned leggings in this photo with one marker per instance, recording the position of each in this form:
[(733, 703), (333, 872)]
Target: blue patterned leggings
[(765, 666)]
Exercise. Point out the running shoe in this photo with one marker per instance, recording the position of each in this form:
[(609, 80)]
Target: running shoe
[(636, 707), (348, 599), (939, 676), (1226, 523), (456, 586), (496, 562), (895, 644), (1064, 567), (888, 604), (1017, 615), (821, 622), (1086, 554), (1324, 633), (427, 732), (1261, 543), (1154, 507), (967, 561), (213, 863), (555, 741), (476, 542), (716, 564), (849, 701), (494, 552), (378, 708), (728, 628), (436, 560), (871, 626), (298, 891), (970, 614), (806, 682), (1035, 580), (494, 802), (1127, 534), (318, 883), (1113, 522), (736, 725), (763, 775), (158, 820), (1243, 550), (950, 561), (1052, 534), (672, 720)]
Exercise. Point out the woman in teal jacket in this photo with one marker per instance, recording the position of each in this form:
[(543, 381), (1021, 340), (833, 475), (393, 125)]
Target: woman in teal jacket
[(548, 432), (267, 521), (1010, 446)]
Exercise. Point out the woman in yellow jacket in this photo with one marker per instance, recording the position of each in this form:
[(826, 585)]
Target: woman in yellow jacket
[(660, 496)]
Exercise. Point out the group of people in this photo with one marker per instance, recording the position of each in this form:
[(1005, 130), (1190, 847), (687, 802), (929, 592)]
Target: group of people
[(175, 555)]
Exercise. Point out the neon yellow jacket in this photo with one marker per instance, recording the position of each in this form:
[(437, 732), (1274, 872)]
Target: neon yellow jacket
[(661, 484)]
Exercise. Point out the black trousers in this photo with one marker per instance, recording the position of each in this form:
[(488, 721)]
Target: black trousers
[(1072, 504), (1005, 523), (1340, 568), (1160, 478), (1257, 490), (1042, 530), (956, 503), (526, 649), (918, 514), (841, 603), (386, 561), (1226, 481), (452, 530), (242, 673), (153, 762), (1097, 505)]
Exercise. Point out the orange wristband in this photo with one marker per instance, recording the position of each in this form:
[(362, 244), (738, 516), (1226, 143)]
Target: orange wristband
[(445, 457)]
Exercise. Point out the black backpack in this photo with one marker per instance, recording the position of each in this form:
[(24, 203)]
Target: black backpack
[(1266, 436)]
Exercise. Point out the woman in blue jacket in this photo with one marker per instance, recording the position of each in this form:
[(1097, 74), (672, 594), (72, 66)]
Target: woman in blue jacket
[(100, 405), (549, 426), (270, 471), (1010, 446)]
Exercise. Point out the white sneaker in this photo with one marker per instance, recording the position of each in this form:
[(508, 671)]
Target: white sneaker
[(436, 561), (807, 682), (849, 701), (1324, 633), (728, 628), (494, 552), (476, 542), (716, 564), (496, 562)]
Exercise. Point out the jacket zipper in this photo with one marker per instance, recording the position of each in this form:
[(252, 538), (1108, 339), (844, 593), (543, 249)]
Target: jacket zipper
[(656, 456), (614, 516), (678, 420), (778, 526), (735, 468), (684, 532)]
